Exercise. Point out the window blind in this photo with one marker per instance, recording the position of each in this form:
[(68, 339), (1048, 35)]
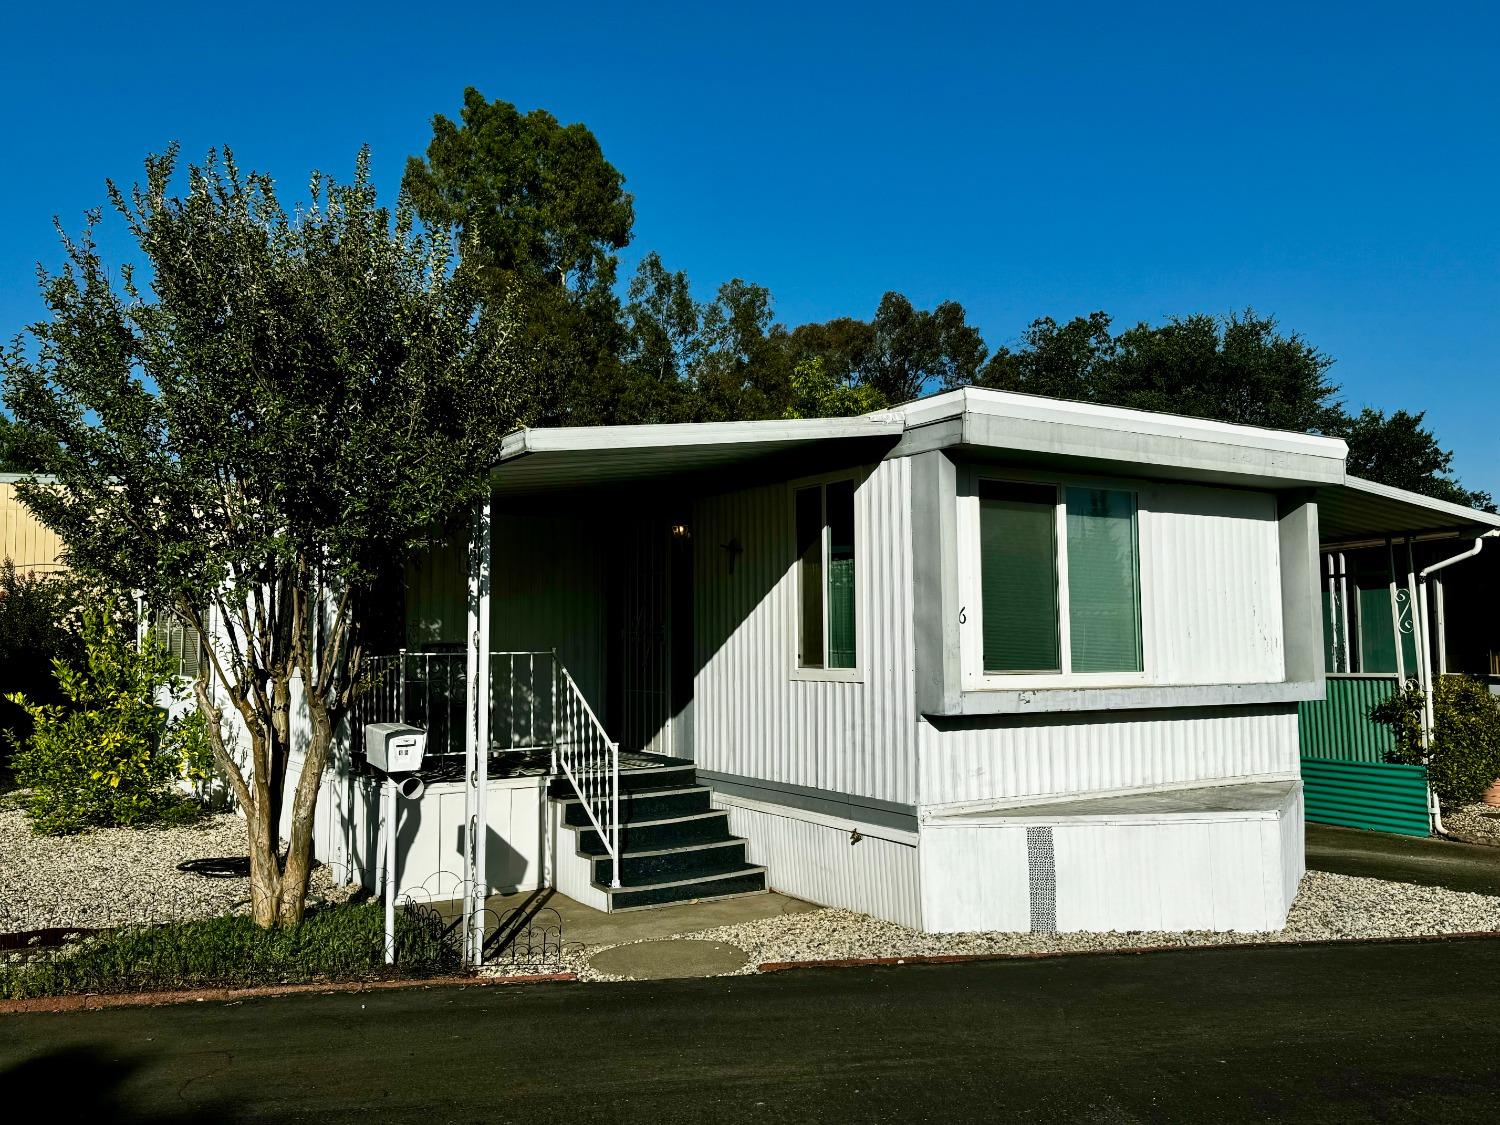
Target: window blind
[(1018, 574), (840, 513), (1104, 592)]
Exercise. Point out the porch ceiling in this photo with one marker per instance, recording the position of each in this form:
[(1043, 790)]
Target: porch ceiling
[(544, 460), (1363, 511)]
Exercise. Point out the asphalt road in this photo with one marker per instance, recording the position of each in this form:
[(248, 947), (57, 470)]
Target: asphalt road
[(1347, 1034)]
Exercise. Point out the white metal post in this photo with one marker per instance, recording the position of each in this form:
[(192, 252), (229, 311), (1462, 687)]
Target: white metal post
[(476, 734), (1390, 559), (388, 872)]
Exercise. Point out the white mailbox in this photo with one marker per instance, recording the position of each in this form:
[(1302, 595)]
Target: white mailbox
[(394, 747)]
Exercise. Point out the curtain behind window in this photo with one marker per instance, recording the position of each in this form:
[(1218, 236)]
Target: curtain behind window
[(1018, 572)]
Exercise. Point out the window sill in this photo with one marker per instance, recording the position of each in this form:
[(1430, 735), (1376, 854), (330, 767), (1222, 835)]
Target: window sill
[(1126, 698), (829, 675)]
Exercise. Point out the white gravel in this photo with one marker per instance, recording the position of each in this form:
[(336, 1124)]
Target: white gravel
[(1328, 908), (119, 876), (1477, 823)]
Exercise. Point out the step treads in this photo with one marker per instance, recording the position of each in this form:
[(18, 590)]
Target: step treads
[(684, 862), (748, 880)]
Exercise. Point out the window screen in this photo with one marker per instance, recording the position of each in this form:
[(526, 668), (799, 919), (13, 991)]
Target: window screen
[(1104, 592), (1018, 570)]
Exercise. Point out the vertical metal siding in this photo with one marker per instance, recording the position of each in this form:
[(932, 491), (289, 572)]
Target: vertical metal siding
[(752, 717), (23, 540), (1338, 726), (1213, 576), (1049, 756), (816, 862)]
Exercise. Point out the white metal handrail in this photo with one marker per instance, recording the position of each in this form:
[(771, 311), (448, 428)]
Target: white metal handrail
[(585, 754)]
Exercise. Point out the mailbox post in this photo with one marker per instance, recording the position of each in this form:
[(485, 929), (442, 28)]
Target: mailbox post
[(396, 750)]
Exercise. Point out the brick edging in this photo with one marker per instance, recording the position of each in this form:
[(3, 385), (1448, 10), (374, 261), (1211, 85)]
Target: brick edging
[(91, 1001)]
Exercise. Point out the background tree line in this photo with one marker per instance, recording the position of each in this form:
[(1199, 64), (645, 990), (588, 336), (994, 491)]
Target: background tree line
[(543, 217)]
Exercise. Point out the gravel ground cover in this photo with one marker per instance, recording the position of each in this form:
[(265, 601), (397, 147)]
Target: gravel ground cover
[(1477, 823), (1328, 908), (120, 876)]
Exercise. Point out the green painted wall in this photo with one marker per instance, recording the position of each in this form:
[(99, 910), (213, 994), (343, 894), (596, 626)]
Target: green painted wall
[(1345, 777)]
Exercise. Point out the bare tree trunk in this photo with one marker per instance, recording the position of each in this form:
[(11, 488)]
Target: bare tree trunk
[(299, 856)]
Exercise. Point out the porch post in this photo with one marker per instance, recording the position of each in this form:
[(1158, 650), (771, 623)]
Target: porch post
[(477, 735)]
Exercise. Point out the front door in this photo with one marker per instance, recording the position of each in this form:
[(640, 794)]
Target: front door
[(640, 633)]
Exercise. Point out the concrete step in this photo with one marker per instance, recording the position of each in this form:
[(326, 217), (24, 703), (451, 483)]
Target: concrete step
[(743, 880), (654, 835), (685, 862), (645, 804)]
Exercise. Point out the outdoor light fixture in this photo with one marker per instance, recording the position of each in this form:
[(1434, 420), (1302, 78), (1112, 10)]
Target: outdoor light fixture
[(681, 531)]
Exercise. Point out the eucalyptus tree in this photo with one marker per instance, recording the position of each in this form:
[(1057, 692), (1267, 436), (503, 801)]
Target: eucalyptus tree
[(250, 430)]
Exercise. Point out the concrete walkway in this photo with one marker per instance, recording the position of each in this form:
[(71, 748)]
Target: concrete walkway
[(1404, 859)]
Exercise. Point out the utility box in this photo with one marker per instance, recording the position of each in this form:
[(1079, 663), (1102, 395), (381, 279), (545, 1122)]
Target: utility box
[(394, 747)]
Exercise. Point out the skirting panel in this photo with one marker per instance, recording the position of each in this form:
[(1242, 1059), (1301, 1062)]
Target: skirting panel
[(1039, 871), (828, 865)]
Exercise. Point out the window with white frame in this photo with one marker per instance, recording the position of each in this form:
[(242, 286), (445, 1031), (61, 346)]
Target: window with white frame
[(1058, 580), (825, 575)]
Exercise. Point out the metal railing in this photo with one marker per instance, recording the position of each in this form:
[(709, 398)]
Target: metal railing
[(585, 754), (535, 705), (430, 690)]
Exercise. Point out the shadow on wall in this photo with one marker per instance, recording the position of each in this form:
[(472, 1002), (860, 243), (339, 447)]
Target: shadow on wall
[(85, 1084)]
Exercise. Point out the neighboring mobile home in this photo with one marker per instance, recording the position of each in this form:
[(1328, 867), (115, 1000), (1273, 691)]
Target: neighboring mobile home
[(982, 661)]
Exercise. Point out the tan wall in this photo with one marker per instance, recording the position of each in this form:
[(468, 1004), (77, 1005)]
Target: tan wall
[(22, 539)]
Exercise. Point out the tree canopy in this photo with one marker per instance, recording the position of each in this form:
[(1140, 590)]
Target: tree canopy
[(288, 407)]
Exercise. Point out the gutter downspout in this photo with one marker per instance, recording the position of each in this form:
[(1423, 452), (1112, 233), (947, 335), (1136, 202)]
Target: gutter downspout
[(1424, 662)]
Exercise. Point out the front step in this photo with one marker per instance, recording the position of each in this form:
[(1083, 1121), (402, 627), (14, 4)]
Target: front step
[(674, 847)]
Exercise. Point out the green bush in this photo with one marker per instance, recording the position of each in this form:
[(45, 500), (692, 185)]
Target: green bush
[(1464, 757), (35, 630), (109, 755), (337, 943)]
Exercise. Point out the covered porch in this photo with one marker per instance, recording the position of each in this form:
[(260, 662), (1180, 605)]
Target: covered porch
[(547, 647), (1407, 595)]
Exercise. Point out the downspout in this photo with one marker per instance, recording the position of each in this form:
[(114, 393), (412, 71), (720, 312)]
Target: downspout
[(1424, 661)]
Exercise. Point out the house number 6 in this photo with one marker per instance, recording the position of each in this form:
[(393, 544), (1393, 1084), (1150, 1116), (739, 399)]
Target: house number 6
[(963, 616)]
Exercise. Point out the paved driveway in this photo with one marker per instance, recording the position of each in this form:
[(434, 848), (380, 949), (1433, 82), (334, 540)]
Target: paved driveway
[(1348, 1034)]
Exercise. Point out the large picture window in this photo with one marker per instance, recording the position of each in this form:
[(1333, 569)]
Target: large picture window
[(1059, 579), (825, 575)]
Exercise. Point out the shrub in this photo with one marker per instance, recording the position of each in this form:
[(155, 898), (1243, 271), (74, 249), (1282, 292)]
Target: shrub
[(1464, 756), (35, 612), (109, 755), (337, 943)]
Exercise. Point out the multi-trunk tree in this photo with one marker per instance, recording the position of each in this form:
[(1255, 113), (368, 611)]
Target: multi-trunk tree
[(249, 430)]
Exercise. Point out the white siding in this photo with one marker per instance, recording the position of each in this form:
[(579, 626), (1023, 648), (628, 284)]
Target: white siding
[(816, 862), (1006, 759), (753, 718), (1212, 582)]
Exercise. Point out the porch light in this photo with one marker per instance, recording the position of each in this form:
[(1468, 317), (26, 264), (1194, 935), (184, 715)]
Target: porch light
[(681, 531)]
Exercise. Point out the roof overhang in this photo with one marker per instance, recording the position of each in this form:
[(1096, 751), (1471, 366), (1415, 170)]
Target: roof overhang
[(1087, 436), (537, 462), (1361, 512)]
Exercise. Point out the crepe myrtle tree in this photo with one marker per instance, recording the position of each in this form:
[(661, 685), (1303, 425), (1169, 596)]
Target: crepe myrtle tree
[(287, 406)]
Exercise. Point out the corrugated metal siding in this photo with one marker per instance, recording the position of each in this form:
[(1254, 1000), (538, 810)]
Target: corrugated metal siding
[(1011, 758), (547, 581), (1377, 796), (1338, 727), (816, 862), (22, 539), (752, 718), (1212, 566)]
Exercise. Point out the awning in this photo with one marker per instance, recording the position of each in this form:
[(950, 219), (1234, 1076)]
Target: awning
[(535, 462), (1361, 511)]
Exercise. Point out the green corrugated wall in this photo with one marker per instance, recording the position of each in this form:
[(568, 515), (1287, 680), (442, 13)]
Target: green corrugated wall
[(1345, 777), (1372, 795)]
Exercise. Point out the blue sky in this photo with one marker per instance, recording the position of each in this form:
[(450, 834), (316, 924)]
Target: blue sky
[(1334, 167)]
